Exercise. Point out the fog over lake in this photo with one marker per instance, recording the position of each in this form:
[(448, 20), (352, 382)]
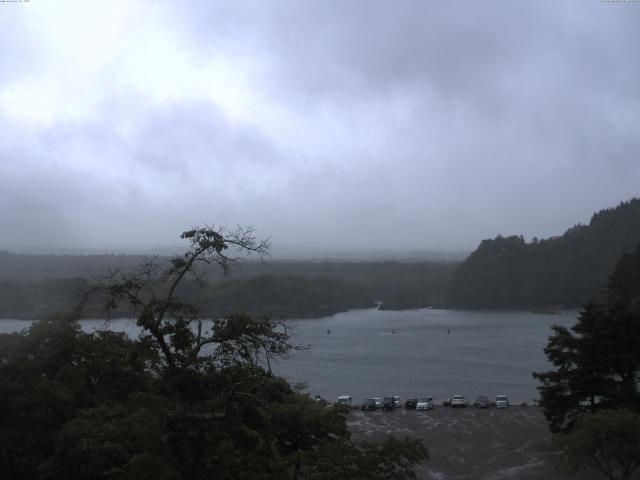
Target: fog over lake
[(409, 353)]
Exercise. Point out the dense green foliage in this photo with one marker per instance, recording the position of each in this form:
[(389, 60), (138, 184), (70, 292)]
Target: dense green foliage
[(607, 441), (187, 400), (624, 283), (37, 267), (284, 296), (597, 361), (281, 296), (32, 300), (293, 290), (591, 399), (568, 271), (83, 406)]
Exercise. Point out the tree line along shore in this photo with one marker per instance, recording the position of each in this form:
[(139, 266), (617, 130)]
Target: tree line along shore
[(565, 271)]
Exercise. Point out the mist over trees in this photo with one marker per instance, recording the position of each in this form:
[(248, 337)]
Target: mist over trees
[(565, 271), (506, 272), (283, 289)]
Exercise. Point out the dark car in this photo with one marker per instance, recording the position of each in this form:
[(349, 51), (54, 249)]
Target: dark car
[(411, 403), (369, 404), (482, 402), (388, 403)]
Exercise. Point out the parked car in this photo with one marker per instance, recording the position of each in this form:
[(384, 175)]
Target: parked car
[(388, 403), (369, 404), (344, 400), (425, 403), (458, 401), (482, 401), (378, 402), (411, 403), (397, 400), (502, 401), (321, 401)]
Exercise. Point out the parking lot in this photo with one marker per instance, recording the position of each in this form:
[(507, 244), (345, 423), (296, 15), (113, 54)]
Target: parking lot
[(470, 443)]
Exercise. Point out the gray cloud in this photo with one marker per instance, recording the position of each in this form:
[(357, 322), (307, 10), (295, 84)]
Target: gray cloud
[(372, 124)]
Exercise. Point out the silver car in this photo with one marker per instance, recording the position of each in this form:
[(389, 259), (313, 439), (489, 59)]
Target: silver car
[(502, 401), (425, 403), (458, 401)]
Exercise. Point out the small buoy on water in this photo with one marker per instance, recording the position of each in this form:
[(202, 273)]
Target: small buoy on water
[(329, 332)]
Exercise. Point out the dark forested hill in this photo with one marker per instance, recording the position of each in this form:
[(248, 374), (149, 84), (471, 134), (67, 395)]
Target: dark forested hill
[(31, 286), (283, 296), (21, 267), (560, 271)]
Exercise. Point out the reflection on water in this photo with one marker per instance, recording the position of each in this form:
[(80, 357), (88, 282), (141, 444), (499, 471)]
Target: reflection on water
[(413, 353)]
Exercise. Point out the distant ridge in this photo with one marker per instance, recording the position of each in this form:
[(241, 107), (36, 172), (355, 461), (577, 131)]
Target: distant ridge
[(561, 271)]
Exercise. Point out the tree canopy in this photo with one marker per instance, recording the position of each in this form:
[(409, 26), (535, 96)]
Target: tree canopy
[(597, 361), (608, 441), (189, 399), (568, 270)]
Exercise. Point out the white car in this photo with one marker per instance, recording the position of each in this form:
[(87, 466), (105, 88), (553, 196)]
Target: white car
[(458, 401), (378, 401), (396, 399), (344, 400), (425, 403), (502, 401)]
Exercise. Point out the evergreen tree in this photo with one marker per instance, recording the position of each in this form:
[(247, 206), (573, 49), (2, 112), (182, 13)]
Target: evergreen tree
[(568, 270), (608, 442), (597, 361)]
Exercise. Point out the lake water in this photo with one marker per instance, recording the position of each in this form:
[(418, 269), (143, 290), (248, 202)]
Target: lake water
[(484, 353)]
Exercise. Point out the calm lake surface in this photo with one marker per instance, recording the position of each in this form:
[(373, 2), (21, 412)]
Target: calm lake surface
[(484, 353)]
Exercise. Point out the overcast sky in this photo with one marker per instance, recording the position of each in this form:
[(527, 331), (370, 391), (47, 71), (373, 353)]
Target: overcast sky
[(338, 124)]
